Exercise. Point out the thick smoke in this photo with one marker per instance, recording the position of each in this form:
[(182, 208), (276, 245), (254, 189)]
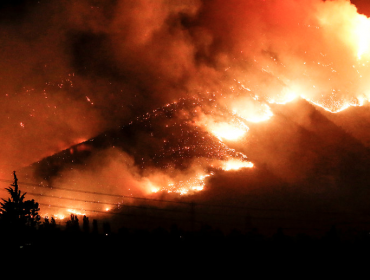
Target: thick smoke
[(72, 70)]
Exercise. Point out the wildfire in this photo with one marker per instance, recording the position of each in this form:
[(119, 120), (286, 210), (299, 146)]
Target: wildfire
[(341, 19), (255, 111), (201, 127), (55, 216), (362, 32), (197, 183), (59, 216), (190, 185), (285, 97), (234, 164), (223, 127), (227, 131), (72, 211), (336, 109), (152, 187)]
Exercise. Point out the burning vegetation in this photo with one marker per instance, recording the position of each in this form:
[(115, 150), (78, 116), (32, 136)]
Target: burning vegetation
[(173, 99)]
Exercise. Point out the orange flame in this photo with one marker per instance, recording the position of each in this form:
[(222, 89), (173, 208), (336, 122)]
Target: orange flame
[(234, 164), (227, 131)]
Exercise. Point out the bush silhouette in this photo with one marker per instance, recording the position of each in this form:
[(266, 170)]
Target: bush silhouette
[(15, 211)]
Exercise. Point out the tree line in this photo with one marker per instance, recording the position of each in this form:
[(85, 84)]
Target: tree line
[(20, 219), (21, 225)]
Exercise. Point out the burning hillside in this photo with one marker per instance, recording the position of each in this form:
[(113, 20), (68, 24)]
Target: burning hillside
[(168, 140), (298, 156)]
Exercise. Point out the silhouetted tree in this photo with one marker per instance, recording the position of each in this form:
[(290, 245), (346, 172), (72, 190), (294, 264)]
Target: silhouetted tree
[(53, 224), (73, 223), (15, 211), (85, 224), (46, 223)]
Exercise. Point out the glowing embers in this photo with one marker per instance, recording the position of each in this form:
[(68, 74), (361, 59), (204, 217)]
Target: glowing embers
[(333, 106), (183, 186), (191, 185)]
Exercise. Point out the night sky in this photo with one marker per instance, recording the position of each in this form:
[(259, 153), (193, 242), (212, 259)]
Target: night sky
[(153, 99)]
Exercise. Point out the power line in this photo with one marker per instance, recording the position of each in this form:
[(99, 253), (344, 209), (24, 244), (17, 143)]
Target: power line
[(115, 195), (79, 209), (105, 203), (96, 193), (151, 208), (201, 213), (72, 199), (161, 200)]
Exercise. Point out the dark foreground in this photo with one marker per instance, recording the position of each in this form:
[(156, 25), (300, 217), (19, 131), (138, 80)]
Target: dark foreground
[(182, 249)]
